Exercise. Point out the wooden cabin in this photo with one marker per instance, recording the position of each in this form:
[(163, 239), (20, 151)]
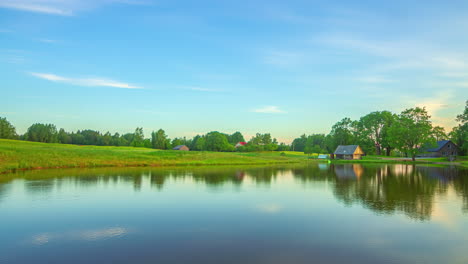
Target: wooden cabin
[(182, 148), (348, 152), (443, 148)]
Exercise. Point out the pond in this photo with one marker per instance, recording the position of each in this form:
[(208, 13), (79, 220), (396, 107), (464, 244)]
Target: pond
[(315, 213)]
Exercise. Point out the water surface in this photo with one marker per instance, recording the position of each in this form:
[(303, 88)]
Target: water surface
[(316, 213)]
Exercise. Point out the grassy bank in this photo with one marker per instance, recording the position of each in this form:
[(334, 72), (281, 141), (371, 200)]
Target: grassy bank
[(460, 161), (23, 155)]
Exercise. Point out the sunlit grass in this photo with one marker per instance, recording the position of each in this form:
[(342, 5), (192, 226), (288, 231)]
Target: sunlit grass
[(15, 155)]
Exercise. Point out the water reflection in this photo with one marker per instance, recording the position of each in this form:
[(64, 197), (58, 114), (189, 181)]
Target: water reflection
[(384, 189)]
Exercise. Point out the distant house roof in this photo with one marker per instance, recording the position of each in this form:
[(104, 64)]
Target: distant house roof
[(440, 144), (179, 147), (346, 149), (240, 144), (322, 156)]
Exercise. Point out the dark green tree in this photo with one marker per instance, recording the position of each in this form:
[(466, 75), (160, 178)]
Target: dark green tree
[(159, 139), (459, 134), (138, 138), (216, 141), (7, 130), (46, 133), (411, 130)]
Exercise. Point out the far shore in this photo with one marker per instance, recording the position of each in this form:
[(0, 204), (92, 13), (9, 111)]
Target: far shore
[(18, 155)]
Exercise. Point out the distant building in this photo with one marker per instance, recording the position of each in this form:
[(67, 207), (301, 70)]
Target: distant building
[(348, 152), (322, 156), (444, 148), (240, 144), (182, 148)]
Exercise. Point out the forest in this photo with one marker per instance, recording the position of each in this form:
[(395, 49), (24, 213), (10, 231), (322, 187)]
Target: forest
[(378, 133)]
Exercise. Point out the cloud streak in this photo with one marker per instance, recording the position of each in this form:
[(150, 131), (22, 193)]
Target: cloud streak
[(60, 7), (37, 7), (96, 82), (269, 110)]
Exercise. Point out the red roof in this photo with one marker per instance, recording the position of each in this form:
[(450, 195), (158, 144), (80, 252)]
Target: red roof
[(242, 143)]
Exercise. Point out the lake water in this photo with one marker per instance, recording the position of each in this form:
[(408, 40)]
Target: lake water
[(316, 213)]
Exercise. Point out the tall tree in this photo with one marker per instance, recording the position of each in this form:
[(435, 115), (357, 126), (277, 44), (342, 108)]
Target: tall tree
[(46, 133), (64, 137), (438, 133), (7, 130), (411, 131), (138, 138), (374, 127), (159, 139), (216, 141), (459, 133), (236, 138), (342, 132), (299, 143)]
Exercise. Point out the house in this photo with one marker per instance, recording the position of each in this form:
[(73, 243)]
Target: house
[(182, 148), (443, 148), (240, 144), (348, 152)]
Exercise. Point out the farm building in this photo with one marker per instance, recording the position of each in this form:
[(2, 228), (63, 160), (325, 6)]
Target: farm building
[(348, 152), (182, 148), (444, 148), (240, 144)]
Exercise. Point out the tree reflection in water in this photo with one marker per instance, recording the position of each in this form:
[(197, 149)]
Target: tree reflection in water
[(384, 189)]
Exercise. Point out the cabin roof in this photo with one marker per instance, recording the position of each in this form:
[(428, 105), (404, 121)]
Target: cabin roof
[(178, 147), (346, 149), (440, 144)]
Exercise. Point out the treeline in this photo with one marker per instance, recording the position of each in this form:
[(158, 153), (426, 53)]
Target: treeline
[(383, 132), (379, 133), (212, 141)]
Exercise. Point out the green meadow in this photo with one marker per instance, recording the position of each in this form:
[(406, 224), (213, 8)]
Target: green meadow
[(24, 155)]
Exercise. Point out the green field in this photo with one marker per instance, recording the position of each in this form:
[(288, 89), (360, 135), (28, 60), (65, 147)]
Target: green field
[(23, 155)]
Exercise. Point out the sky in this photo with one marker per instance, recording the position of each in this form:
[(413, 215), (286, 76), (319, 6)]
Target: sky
[(190, 67)]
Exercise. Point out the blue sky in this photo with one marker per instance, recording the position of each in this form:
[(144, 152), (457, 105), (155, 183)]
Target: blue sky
[(285, 67)]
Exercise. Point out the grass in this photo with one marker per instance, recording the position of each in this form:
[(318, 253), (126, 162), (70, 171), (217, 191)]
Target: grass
[(24, 155)]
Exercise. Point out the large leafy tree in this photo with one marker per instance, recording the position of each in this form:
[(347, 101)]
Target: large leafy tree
[(459, 133), (375, 127), (159, 139), (438, 133), (7, 130), (342, 132), (216, 141), (315, 144), (64, 137), (138, 138), (236, 138), (411, 130), (299, 143), (46, 133)]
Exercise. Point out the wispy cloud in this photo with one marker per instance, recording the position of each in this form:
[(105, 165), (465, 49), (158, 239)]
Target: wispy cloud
[(103, 82), (46, 7), (269, 110), (62, 7)]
